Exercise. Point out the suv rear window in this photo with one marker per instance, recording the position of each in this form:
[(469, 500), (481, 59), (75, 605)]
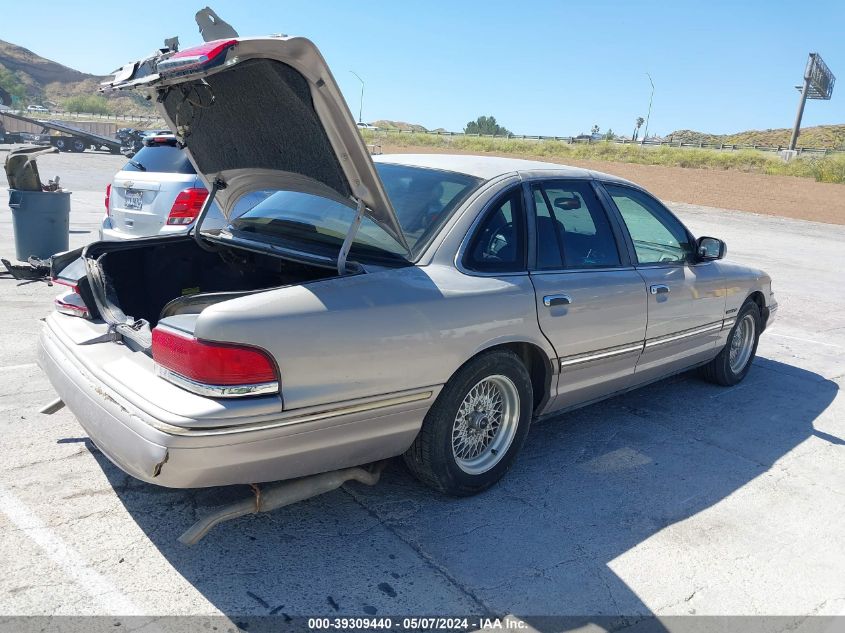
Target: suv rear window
[(161, 158)]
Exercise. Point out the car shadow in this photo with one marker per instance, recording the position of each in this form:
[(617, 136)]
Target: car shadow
[(588, 487)]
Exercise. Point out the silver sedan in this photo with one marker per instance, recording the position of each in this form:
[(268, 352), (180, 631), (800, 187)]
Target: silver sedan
[(429, 306)]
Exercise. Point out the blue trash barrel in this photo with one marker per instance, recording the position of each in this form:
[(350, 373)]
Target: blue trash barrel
[(41, 222)]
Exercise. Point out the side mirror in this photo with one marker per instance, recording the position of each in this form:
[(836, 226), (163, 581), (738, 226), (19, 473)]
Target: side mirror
[(710, 248)]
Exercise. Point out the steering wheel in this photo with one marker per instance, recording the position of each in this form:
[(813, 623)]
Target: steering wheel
[(497, 242)]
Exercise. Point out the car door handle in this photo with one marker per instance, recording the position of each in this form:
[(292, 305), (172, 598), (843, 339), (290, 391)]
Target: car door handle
[(659, 289), (556, 300)]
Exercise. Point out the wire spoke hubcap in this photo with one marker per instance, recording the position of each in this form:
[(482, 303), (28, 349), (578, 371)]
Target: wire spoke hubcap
[(485, 424), (742, 342)]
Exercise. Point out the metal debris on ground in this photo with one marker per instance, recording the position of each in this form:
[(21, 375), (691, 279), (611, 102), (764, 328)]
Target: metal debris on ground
[(34, 270)]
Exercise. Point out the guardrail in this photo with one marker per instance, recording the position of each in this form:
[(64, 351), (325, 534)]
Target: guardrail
[(141, 118), (823, 151)]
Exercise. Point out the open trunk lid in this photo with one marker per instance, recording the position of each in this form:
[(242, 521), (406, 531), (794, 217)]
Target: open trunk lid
[(263, 113)]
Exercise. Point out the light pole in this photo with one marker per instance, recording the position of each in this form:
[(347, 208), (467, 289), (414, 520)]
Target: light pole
[(361, 105), (648, 116)]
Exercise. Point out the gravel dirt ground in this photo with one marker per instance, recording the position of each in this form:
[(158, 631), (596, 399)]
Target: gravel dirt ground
[(783, 196), (680, 498)]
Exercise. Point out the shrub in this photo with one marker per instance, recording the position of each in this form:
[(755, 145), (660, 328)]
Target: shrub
[(93, 104), (822, 169)]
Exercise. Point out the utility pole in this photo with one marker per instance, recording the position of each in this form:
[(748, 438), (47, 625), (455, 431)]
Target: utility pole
[(361, 104), (648, 116)]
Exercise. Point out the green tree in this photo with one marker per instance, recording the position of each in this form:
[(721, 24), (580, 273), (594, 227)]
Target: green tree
[(595, 130), (10, 83), (486, 125), (639, 123), (609, 135), (93, 104)]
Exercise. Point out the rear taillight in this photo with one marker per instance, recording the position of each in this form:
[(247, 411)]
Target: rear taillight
[(72, 304), (213, 369), (200, 57), (66, 282), (187, 205), (108, 198)]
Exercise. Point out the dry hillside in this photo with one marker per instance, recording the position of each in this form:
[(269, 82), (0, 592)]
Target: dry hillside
[(48, 82), (829, 136)]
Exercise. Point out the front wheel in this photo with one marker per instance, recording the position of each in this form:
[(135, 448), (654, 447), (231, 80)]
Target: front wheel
[(474, 430), (734, 361)]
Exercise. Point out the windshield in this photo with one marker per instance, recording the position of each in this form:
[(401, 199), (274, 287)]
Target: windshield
[(422, 198)]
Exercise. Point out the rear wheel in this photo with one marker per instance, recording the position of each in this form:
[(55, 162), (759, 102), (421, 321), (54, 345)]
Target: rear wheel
[(62, 144), (734, 361), (474, 430), (77, 145)]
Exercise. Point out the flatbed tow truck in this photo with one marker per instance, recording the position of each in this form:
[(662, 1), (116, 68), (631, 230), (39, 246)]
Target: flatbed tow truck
[(69, 139)]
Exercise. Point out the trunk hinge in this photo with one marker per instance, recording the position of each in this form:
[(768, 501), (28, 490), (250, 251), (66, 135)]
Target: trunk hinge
[(216, 186), (350, 235)]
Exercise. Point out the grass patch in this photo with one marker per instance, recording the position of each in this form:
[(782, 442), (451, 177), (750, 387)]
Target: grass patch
[(821, 168)]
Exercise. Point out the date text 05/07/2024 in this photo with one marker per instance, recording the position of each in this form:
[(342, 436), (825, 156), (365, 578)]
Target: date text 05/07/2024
[(418, 623)]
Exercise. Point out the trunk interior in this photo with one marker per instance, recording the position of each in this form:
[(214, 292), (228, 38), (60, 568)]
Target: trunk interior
[(152, 281)]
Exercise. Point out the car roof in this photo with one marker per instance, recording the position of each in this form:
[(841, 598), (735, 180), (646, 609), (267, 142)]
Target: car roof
[(489, 167)]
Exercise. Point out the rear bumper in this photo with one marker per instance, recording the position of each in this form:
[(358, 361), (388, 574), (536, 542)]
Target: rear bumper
[(299, 443), (109, 234)]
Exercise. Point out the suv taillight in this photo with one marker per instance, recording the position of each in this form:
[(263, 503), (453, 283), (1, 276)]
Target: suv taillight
[(108, 198), (220, 370), (187, 205)]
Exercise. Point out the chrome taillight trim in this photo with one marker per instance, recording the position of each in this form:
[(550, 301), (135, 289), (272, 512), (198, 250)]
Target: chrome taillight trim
[(216, 391), (71, 304)]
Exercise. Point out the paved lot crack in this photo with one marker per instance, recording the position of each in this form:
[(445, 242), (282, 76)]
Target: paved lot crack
[(427, 558)]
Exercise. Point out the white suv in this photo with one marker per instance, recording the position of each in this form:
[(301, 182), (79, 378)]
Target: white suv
[(156, 193)]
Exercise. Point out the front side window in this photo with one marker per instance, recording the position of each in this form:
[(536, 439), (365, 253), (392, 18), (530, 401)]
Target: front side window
[(498, 244), (658, 237), (572, 227)]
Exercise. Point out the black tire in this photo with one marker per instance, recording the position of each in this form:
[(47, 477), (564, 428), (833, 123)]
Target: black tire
[(77, 145), (62, 145), (432, 458), (719, 370)]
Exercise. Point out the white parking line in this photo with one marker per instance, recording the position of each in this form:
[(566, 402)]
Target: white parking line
[(806, 340), (16, 367), (68, 559)]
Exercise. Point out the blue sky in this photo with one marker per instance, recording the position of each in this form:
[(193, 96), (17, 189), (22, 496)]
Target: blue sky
[(541, 67)]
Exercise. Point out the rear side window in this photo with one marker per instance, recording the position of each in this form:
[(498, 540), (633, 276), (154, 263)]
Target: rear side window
[(162, 159), (498, 244), (572, 227)]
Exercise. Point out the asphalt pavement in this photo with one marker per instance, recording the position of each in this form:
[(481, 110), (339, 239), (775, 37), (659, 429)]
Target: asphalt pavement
[(680, 498)]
